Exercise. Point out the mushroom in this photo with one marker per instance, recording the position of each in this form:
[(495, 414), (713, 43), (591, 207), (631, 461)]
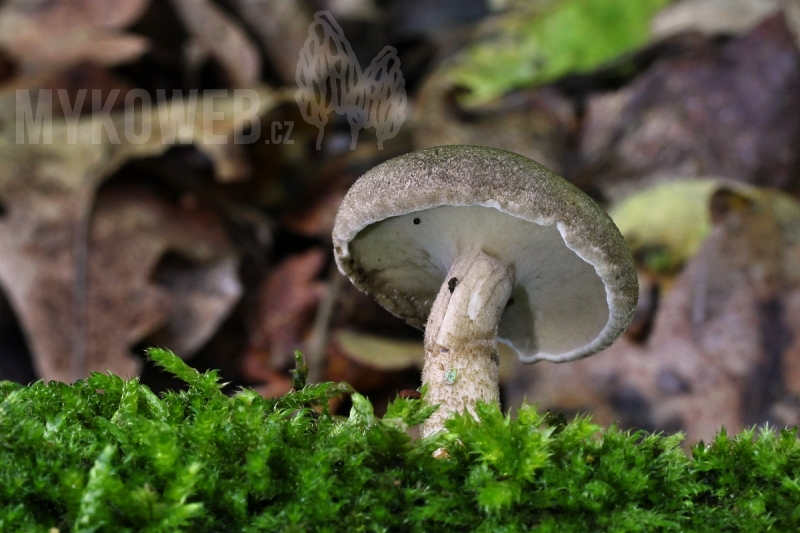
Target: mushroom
[(476, 244)]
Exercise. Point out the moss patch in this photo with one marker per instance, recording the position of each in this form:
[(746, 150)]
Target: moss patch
[(109, 455)]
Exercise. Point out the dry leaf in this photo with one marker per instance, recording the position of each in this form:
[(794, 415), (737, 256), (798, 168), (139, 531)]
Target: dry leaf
[(536, 123), (282, 28), (212, 121), (712, 17), (46, 194), (222, 37), (316, 211), (666, 224), (719, 108), (378, 352), (286, 303), (131, 295), (267, 381), (202, 295), (131, 230), (46, 36), (386, 353)]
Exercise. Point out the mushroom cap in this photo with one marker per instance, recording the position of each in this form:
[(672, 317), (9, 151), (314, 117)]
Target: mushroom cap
[(402, 225)]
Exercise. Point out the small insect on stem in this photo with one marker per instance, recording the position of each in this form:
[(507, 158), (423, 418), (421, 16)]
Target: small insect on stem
[(450, 376), (451, 285)]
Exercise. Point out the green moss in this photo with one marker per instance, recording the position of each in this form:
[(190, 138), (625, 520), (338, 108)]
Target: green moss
[(108, 455)]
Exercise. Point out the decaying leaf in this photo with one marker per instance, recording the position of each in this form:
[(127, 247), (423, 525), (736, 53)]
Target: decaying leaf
[(666, 224), (380, 352), (222, 37), (47, 36), (724, 347), (286, 304), (713, 17), (719, 109), (267, 381), (536, 123), (386, 353), (724, 17), (282, 28), (202, 292), (209, 122), (154, 268), (47, 192)]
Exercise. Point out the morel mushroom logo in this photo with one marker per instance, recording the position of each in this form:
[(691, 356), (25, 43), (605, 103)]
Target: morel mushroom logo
[(329, 78)]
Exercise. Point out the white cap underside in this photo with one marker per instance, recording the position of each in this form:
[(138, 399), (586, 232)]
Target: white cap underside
[(560, 302)]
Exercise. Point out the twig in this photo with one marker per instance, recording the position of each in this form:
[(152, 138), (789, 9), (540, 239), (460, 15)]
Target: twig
[(80, 287), (318, 339)]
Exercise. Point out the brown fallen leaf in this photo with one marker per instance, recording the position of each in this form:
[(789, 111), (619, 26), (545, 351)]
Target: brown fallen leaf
[(154, 268), (285, 306), (203, 292), (281, 27), (46, 194), (72, 88), (209, 122), (362, 377), (55, 35), (315, 216), (699, 112), (222, 38), (536, 123), (255, 367), (724, 346)]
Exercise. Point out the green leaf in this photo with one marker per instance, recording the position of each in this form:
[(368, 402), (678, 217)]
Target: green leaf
[(551, 40)]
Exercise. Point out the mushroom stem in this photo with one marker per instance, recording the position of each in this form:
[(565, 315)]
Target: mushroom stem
[(461, 354)]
